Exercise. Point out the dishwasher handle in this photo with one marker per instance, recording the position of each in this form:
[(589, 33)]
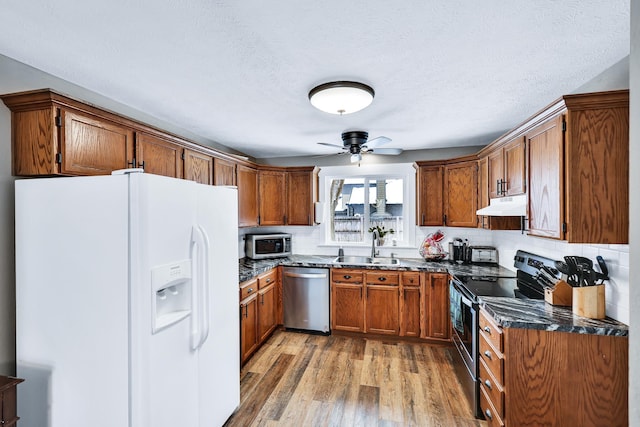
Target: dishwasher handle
[(307, 275)]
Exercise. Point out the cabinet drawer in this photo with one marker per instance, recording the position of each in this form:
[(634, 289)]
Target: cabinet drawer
[(411, 279), (248, 288), (489, 412), (382, 278), (493, 388), (492, 331), (493, 359), (346, 276), (267, 279)]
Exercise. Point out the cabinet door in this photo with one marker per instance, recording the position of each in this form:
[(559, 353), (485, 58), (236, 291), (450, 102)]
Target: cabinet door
[(438, 306), (90, 146), (514, 167), (347, 307), (410, 312), (267, 315), (496, 173), (460, 189), (272, 197), (300, 198), (248, 327), (198, 167), (429, 191), (545, 158), (382, 310), (158, 156), (224, 172), (247, 179)]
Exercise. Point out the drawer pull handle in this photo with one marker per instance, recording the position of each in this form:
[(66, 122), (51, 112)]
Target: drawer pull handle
[(250, 290), (382, 279), (487, 383), (268, 280), (487, 330), (487, 354), (346, 276), (488, 414)]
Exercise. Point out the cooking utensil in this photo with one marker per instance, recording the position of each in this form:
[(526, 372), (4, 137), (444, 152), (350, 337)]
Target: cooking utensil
[(604, 275)]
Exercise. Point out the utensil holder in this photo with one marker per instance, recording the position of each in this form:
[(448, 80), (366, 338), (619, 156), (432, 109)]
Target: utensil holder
[(561, 294), (588, 301)]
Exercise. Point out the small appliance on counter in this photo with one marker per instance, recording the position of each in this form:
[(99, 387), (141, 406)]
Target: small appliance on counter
[(273, 245), (458, 250), (483, 254)]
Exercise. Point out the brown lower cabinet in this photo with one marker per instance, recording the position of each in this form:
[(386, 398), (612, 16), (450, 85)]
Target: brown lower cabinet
[(259, 315), (401, 303), (532, 377), (8, 401)]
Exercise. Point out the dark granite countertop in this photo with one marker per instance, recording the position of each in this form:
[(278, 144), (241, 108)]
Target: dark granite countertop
[(537, 314), (252, 268)]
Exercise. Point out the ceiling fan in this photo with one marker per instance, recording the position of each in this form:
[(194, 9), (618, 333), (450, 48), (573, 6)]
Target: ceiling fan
[(356, 144)]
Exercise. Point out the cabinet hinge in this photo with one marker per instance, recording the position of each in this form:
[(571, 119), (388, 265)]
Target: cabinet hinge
[(564, 227), (59, 121), (182, 155), (59, 158), (564, 126), (258, 219), (444, 219)]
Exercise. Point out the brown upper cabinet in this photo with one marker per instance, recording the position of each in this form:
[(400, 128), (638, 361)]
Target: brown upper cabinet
[(224, 172), (578, 154), (158, 156), (51, 136), (272, 195), (247, 181), (506, 169), (302, 193), (429, 192), (447, 192), (198, 167), (460, 194)]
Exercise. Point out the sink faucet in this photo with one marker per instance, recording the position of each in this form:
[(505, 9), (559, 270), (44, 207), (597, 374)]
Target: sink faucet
[(376, 236)]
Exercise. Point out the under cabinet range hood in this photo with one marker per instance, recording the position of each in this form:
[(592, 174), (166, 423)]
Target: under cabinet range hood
[(505, 206)]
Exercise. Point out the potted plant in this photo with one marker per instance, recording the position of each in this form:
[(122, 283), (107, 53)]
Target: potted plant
[(381, 233)]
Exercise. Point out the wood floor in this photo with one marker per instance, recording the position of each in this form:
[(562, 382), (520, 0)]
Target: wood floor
[(299, 380)]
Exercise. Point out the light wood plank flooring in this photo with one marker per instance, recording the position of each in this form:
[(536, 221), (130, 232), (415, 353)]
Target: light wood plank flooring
[(298, 379)]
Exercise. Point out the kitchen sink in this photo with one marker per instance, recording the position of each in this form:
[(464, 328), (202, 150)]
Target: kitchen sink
[(365, 260)]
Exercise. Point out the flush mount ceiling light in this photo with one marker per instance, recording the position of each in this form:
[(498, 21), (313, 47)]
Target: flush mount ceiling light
[(341, 97)]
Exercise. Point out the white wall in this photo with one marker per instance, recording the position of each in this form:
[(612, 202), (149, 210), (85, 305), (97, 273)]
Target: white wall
[(634, 232)]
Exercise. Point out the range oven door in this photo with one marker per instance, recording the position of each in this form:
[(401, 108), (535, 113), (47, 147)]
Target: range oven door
[(464, 325)]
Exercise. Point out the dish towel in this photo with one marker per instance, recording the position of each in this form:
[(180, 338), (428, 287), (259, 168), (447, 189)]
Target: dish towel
[(455, 299)]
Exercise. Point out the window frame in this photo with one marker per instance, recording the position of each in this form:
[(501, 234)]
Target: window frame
[(404, 171)]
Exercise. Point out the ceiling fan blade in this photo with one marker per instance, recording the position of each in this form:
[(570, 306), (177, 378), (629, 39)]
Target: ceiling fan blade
[(332, 145), (386, 151), (376, 142)]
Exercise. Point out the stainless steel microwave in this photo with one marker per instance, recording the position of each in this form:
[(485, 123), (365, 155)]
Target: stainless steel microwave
[(260, 246)]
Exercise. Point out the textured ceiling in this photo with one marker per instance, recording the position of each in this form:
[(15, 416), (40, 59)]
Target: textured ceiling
[(238, 72)]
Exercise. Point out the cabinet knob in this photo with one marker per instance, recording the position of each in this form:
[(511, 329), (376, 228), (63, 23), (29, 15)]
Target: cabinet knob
[(268, 280), (487, 383), (249, 290), (382, 279), (487, 354), (346, 276), (487, 330)]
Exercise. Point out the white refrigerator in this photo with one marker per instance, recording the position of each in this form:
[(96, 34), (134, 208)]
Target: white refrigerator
[(126, 302)]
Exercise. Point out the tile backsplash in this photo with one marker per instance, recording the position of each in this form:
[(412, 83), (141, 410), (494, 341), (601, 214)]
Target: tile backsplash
[(310, 241)]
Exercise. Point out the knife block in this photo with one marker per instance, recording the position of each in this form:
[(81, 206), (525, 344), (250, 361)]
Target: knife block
[(588, 301), (561, 294)]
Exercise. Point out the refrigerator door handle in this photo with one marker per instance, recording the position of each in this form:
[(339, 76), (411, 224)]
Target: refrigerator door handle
[(200, 289), (205, 287)]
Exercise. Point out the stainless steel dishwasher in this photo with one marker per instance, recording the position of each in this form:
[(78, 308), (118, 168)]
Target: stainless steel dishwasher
[(305, 295)]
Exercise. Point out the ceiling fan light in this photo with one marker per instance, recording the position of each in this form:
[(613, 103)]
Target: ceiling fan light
[(355, 158), (341, 97)]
